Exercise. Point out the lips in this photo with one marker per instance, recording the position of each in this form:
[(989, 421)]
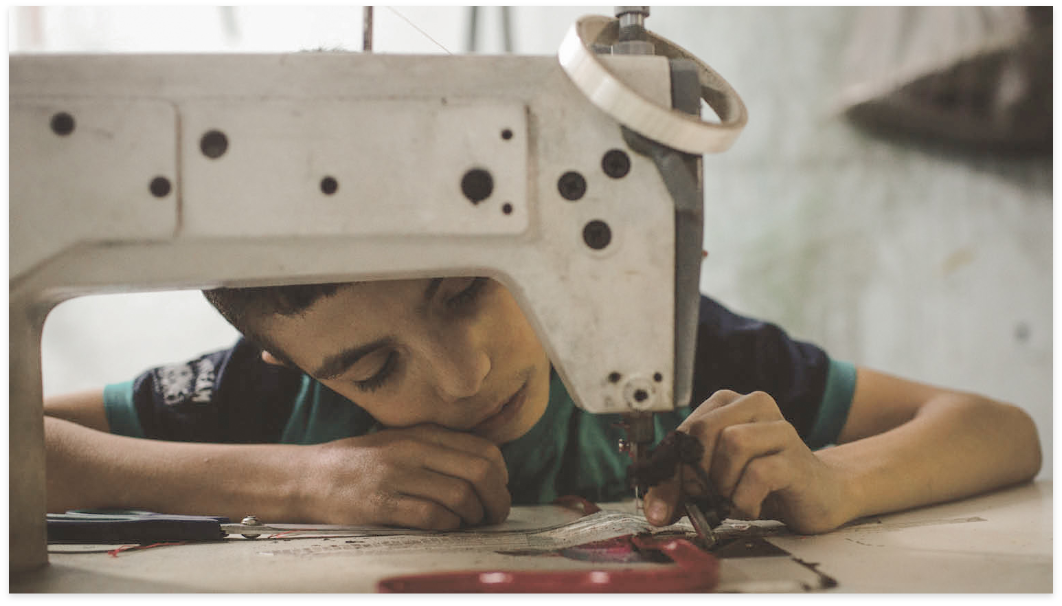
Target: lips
[(504, 414)]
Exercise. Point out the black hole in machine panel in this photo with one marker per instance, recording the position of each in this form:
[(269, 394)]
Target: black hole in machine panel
[(597, 234), (329, 186), (214, 144), (62, 124), (477, 185), (571, 185), (160, 187)]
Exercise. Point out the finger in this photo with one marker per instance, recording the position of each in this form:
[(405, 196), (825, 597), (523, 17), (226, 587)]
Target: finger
[(464, 442), (455, 494), (482, 476), (412, 512), (737, 445), (760, 478), (772, 507), (464, 456), (661, 502), (724, 409), (720, 398)]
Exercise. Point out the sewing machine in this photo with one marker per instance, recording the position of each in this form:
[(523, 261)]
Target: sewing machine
[(574, 180)]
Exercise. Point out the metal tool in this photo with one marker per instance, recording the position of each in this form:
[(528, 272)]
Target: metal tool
[(704, 528), (539, 172), (136, 526)]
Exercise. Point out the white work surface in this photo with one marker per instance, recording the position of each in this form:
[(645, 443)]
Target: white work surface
[(997, 542)]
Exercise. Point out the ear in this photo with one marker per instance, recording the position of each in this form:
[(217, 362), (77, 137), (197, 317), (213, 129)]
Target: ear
[(269, 358)]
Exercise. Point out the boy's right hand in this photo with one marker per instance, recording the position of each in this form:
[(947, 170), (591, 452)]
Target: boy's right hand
[(418, 477)]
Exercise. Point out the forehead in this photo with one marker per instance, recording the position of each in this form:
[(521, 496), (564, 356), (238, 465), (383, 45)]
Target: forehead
[(362, 309), (362, 299)]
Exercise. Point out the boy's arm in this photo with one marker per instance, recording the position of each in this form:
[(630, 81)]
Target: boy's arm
[(88, 468), (904, 444), (84, 408), (424, 477), (907, 444)]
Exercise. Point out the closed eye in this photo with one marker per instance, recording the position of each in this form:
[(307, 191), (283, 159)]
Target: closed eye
[(468, 295), (380, 378), (463, 301)]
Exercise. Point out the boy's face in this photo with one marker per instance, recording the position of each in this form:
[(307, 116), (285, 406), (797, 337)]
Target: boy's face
[(456, 352)]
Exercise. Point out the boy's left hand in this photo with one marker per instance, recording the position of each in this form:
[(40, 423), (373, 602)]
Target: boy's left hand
[(755, 458)]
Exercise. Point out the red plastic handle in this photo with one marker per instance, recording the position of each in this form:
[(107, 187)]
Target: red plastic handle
[(694, 571)]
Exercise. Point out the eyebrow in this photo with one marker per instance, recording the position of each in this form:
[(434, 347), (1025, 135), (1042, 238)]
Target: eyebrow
[(433, 286), (337, 364)]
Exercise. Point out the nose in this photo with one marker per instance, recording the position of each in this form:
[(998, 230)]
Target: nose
[(460, 363)]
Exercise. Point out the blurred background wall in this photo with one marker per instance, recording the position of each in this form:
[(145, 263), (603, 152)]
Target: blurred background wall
[(911, 255)]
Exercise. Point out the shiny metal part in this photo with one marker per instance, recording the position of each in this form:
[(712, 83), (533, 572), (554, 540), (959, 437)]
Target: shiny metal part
[(256, 529), (640, 433), (672, 128), (632, 15), (251, 521), (700, 524), (632, 39)]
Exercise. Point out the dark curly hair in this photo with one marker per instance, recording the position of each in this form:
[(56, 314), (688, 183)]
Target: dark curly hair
[(245, 308)]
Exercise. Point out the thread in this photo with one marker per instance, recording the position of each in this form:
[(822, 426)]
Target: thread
[(114, 552), (401, 16)]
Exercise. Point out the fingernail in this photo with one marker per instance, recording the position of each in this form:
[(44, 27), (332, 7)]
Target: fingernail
[(656, 512)]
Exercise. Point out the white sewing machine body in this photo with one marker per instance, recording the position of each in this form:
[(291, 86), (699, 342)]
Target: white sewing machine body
[(149, 172), (397, 134)]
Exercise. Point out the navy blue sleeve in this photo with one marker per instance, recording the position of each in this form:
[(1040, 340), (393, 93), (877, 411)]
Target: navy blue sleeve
[(228, 396), (745, 355)]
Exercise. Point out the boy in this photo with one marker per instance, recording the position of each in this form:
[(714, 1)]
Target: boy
[(458, 416)]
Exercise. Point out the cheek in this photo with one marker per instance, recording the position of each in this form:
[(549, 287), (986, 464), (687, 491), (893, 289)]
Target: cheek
[(523, 340), (396, 408)]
